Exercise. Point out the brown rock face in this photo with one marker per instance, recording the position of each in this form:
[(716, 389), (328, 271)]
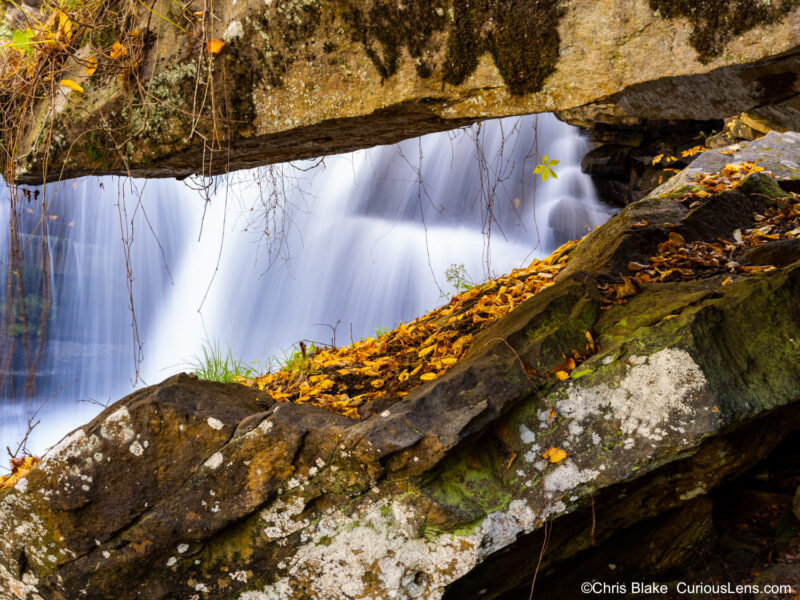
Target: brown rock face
[(304, 78)]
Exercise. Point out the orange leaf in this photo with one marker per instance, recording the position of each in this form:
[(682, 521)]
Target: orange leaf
[(215, 46), (676, 238), (118, 51), (562, 375), (554, 455), (91, 65), (68, 83)]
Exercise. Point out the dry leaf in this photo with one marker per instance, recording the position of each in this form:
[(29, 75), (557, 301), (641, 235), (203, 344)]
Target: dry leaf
[(554, 455), (91, 65), (562, 375), (215, 46), (68, 83), (118, 51), (428, 376), (511, 461)]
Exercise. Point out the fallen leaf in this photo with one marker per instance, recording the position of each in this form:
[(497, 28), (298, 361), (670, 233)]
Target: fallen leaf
[(562, 375), (554, 455), (428, 376), (91, 65), (511, 461), (215, 46), (68, 83), (118, 51)]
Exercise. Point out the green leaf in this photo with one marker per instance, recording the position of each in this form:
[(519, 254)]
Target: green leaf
[(21, 40)]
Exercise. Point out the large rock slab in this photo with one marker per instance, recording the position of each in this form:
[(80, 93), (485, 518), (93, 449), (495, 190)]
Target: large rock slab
[(303, 78), (200, 490)]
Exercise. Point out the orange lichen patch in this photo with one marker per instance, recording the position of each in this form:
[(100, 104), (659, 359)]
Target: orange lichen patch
[(20, 467), (343, 379)]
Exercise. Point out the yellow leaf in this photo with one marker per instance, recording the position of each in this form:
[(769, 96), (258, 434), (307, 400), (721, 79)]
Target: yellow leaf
[(403, 376), (68, 83), (554, 455), (562, 375), (215, 46), (426, 351), (378, 383), (118, 51), (20, 468), (91, 65), (428, 376)]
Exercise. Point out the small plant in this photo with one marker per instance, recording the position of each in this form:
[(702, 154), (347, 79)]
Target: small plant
[(298, 359), (457, 276), (545, 169), (381, 331), (214, 365)]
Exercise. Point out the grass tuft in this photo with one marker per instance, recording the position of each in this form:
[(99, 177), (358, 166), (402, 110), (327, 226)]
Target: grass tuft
[(214, 365)]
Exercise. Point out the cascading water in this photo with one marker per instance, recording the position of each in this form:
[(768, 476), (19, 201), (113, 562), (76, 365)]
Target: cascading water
[(366, 242)]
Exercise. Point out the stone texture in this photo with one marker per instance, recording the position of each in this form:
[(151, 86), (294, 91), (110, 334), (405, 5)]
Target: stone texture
[(303, 78)]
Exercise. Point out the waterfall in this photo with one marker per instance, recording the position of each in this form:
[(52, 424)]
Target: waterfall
[(365, 243)]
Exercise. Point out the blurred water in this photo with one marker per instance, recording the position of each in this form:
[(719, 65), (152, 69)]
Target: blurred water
[(366, 241)]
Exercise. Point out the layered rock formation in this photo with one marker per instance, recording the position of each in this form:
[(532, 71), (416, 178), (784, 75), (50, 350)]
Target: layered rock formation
[(303, 78), (199, 490)]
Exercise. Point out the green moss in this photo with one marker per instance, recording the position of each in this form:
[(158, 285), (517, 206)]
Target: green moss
[(716, 22), (285, 35), (521, 36), (467, 486), (389, 26)]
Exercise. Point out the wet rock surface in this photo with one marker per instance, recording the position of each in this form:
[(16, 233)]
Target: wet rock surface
[(198, 490)]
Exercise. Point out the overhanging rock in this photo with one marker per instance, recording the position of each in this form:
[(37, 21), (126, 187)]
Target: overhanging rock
[(304, 78)]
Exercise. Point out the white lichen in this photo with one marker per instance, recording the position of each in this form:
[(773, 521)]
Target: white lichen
[(656, 390), (568, 476), (214, 461)]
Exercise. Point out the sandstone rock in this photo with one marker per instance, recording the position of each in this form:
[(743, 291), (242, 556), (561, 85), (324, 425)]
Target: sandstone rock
[(304, 78)]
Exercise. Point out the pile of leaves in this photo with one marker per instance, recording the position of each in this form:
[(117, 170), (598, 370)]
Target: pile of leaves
[(20, 467), (729, 178), (678, 260), (343, 379)]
